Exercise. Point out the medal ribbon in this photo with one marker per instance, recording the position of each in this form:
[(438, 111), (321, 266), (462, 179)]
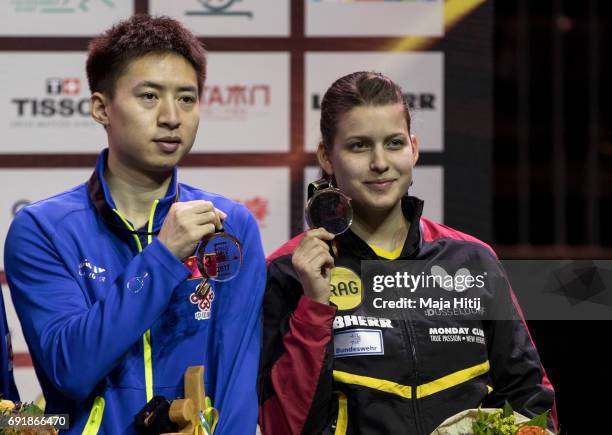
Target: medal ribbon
[(207, 419)]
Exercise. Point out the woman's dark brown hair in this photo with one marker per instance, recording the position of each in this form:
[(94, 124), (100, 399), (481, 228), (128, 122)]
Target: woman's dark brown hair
[(361, 88)]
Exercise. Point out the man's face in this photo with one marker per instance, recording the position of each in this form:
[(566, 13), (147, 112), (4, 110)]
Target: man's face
[(153, 117)]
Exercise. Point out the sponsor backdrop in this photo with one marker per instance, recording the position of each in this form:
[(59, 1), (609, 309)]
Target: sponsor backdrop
[(46, 107), (421, 76), (372, 18), (264, 191), (269, 65), (249, 91), (228, 18), (60, 17)]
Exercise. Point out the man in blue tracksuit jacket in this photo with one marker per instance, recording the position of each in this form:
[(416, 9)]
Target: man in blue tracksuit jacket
[(102, 276)]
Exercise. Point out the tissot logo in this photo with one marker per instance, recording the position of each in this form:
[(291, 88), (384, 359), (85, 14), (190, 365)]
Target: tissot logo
[(220, 8), (58, 104), (66, 86), (422, 101)]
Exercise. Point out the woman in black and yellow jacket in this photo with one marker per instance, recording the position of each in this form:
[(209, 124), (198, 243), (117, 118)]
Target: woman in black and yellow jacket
[(328, 364)]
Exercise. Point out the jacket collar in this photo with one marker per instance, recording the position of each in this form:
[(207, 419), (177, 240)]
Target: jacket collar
[(412, 208), (101, 198)]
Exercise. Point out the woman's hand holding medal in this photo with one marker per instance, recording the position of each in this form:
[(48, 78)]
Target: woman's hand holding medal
[(329, 211), (312, 261)]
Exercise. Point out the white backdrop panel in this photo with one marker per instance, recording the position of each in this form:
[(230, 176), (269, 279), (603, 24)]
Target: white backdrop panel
[(44, 108), (265, 191), (245, 104), (421, 76), (228, 17), (374, 18), (61, 17)]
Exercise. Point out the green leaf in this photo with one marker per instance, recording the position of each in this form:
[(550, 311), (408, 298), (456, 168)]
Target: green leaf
[(31, 409), (540, 420), (507, 409)]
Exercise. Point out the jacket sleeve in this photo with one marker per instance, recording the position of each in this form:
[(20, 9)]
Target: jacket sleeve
[(8, 389), (238, 346), (295, 379), (64, 330), (516, 371)]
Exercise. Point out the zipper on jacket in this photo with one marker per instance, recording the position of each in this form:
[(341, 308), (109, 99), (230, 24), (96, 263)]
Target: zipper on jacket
[(417, 411), (409, 328), (146, 338), (408, 338)]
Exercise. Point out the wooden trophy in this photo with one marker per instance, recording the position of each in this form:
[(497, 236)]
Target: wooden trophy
[(184, 412)]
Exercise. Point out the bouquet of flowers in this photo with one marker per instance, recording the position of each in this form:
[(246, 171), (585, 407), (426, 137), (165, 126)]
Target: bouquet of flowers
[(485, 421), (9, 409)]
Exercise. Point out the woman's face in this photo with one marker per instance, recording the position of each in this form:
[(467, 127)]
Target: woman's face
[(372, 156)]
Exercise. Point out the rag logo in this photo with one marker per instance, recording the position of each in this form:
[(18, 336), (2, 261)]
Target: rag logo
[(65, 86), (220, 8), (89, 270), (57, 6), (346, 288)]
